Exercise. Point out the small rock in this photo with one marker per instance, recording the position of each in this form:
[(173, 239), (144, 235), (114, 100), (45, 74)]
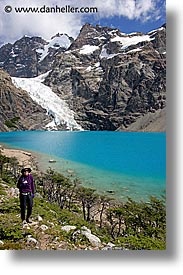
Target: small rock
[(25, 226), (110, 191), (110, 244), (118, 248), (13, 192), (39, 218), (106, 248), (82, 246), (32, 240), (51, 223), (68, 228), (70, 171), (86, 229), (44, 227), (37, 195)]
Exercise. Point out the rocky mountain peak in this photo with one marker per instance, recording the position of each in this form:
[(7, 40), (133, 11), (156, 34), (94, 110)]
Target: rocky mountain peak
[(111, 79), (31, 56), (108, 78)]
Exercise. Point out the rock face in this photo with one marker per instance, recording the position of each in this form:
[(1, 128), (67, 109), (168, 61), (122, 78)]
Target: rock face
[(31, 56), (17, 110), (110, 80)]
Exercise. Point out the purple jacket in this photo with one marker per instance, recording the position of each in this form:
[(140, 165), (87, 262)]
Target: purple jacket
[(26, 184)]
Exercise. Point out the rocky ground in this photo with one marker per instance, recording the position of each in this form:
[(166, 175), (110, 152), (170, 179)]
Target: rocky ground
[(50, 229)]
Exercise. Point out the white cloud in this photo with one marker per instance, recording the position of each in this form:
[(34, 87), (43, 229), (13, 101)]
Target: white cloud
[(14, 25)]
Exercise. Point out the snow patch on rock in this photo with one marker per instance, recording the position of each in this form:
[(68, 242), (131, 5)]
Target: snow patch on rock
[(127, 41), (88, 49), (56, 42)]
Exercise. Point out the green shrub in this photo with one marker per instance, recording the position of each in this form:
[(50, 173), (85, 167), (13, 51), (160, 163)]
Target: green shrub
[(140, 243), (11, 123), (10, 230)]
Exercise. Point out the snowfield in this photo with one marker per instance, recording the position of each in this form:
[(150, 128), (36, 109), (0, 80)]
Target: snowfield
[(56, 42), (47, 99), (133, 40), (88, 49)]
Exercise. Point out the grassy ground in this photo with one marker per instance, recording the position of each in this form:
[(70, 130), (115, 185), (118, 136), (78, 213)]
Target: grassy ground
[(14, 236)]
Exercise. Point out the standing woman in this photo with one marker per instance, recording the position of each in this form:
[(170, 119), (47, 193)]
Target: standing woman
[(26, 188)]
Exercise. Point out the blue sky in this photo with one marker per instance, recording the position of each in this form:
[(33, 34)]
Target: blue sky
[(128, 26), (127, 15), (154, 19)]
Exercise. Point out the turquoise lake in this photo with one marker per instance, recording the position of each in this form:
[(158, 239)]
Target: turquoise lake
[(130, 164)]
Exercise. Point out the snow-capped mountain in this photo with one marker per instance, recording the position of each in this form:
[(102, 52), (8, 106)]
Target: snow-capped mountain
[(102, 80), (32, 56), (111, 79)]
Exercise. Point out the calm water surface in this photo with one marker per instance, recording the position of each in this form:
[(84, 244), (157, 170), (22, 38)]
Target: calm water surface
[(131, 164)]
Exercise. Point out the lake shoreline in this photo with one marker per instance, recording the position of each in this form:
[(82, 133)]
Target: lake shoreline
[(26, 158)]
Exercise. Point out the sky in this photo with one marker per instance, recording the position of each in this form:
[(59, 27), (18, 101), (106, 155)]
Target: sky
[(126, 15)]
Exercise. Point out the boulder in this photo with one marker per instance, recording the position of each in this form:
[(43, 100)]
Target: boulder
[(39, 218), (43, 227), (1, 242), (94, 240), (68, 228), (30, 239)]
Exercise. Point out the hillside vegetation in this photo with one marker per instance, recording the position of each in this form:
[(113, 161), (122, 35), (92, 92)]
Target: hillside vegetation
[(67, 216)]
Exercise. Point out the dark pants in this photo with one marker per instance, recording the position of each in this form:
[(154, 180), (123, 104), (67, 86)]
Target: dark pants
[(26, 201)]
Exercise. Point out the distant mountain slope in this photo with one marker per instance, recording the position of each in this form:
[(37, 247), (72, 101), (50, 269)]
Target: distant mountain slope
[(150, 122)]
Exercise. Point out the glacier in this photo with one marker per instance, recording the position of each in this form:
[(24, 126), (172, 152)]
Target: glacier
[(57, 108)]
